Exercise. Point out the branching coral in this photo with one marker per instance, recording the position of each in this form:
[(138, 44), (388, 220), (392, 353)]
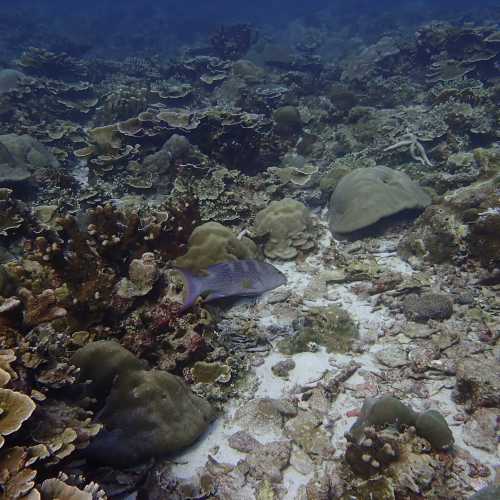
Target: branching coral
[(417, 151)]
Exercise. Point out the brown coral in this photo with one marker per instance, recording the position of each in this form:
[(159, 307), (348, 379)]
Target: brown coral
[(15, 408)]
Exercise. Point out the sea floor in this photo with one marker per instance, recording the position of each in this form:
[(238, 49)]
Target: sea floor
[(281, 433)]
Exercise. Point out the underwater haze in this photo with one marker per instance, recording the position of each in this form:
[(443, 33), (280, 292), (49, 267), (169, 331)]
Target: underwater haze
[(249, 250), (127, 28)]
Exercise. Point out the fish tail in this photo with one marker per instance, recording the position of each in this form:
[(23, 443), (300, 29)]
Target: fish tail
[(192, 288)]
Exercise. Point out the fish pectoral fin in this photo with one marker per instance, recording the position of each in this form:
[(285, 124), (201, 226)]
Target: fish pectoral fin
[(214, 296)]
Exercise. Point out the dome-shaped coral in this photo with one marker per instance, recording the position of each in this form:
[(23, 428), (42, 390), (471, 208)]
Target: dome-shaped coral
[(212, 243), (367, 195), (287, 227)]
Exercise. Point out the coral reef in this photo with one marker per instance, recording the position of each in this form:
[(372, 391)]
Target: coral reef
[(127, 155)]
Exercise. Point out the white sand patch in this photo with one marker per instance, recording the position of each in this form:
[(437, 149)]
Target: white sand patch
[(311, 366)]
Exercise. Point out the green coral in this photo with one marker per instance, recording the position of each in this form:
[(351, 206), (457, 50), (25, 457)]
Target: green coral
[(212, 243), (101, 362), (146, 413), (330, 326), (381, 412), (390, 411), (287, 227), (287, 120), (432, 426)]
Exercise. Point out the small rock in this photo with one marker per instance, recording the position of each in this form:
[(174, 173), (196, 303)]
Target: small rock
[(427, 306), (392, 356), (267, 461), (300, 461), (478, 381), (243, 441), (481, 431), (282, 368), (417, 330)]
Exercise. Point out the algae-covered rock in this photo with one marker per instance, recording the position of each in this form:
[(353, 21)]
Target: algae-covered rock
[(330, 326), (367, 195), (437, 236), (101, 362), (210, 373), (427, 306), (148, 414), (381, 412), (491, 492), (287, 227), (432, 426), (212, 243)]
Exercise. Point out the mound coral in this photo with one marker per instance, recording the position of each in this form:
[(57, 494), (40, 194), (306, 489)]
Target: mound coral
[(390, 411), (367, 195), (287, 227), (146, 414), (212, 243)]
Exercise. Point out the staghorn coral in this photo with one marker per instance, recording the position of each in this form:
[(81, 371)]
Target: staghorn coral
[(286, 227)]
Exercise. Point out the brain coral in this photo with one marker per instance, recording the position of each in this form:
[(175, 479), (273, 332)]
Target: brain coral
[(212, 243), (287, 227), (367, 195)]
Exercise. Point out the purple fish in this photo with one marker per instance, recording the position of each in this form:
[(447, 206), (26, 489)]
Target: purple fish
[(235, 278)]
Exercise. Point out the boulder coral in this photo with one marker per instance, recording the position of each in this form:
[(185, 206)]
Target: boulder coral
[(146, 413), (212, 243), (390, 411), (287, 227), (367, 195)]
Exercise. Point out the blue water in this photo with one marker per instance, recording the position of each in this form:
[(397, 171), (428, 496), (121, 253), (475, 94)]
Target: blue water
[(128, 28)]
